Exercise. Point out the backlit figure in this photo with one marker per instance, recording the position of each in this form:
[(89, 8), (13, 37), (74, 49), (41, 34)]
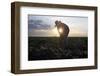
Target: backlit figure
[(63, 30)]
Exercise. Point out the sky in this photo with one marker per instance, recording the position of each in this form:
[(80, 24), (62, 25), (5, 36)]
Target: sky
[(44, 26)]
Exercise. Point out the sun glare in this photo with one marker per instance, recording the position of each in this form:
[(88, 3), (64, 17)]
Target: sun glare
[(60, 30)]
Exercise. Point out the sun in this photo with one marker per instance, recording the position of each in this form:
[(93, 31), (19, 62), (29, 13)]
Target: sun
[(60, 30)]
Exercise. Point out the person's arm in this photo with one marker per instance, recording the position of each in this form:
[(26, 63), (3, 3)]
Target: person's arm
[(66, 29)]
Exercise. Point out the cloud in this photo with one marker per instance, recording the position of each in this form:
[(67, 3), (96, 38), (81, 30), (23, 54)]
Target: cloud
[(38, 24)]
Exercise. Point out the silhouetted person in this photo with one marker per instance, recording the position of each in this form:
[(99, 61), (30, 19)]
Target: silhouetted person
[(63, 30)]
